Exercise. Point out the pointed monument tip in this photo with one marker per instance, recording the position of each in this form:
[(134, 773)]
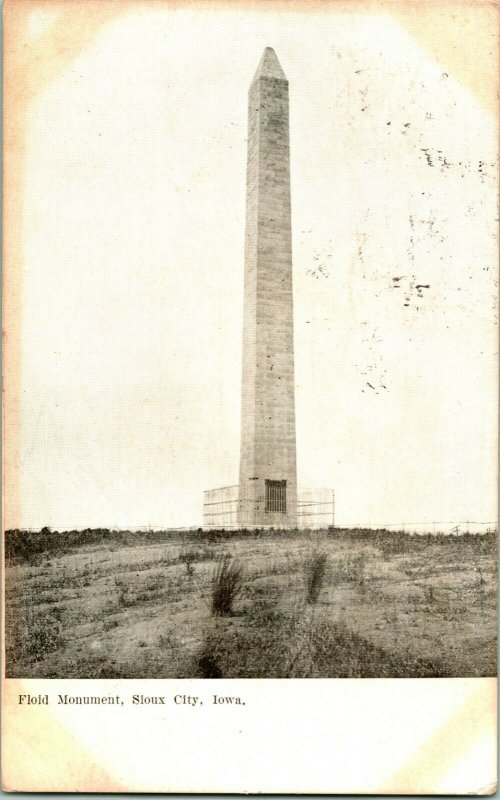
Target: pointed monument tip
[(269, 66)]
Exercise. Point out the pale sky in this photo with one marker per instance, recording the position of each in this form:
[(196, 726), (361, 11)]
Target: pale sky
[(133, 274)]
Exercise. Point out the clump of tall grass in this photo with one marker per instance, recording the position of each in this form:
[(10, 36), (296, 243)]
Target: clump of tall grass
[(227, 584), (315, 575)]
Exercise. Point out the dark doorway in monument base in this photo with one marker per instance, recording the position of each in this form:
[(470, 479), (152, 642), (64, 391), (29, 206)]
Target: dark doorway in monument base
[(275, 497)]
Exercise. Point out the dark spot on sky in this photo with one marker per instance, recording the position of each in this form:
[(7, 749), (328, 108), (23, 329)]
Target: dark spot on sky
[(426, 153)]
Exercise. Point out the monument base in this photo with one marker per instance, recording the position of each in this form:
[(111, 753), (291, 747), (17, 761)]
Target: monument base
[(230, 508)]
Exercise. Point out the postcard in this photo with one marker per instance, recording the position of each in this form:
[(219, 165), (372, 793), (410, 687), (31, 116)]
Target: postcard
[(250, 396)]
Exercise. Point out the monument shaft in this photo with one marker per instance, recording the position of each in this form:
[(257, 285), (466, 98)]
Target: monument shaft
[(268, 471)]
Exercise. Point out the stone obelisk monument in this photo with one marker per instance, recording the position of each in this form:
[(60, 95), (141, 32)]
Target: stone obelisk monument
[(268, 470)]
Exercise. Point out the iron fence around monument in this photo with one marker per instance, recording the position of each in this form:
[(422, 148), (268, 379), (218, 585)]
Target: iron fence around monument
[(228, 508), (315, 508), (220, 507)]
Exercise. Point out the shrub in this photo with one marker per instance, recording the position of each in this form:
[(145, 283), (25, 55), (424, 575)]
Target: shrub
[(315, 573), (226, 585)]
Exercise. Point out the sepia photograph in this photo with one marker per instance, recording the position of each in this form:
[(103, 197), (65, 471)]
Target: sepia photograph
[(250, 351), (251, 347)]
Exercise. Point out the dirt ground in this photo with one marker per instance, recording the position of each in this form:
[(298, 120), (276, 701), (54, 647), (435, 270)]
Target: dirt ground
[(132, 606)]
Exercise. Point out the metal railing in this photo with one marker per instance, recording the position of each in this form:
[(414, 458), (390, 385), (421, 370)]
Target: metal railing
[(229, 507)]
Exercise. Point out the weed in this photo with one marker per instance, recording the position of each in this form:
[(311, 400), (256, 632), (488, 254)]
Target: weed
[(315, 574), (227, 583), (480, 584)]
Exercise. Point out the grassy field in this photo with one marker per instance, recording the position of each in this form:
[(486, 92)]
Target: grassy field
[(327, 604)]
